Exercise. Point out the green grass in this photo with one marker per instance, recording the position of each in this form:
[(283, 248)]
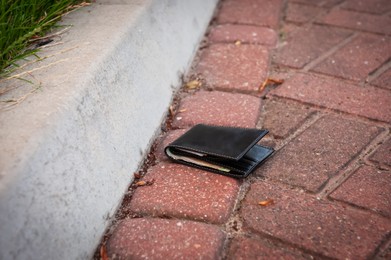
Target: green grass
[(21, 21)]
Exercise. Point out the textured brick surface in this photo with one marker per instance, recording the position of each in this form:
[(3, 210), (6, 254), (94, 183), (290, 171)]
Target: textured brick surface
[(166, 140), (301, 13), (186, 192), (384, 80), (358, 58), (372, 6), (239, 67), (281, 118), (244, 248), (255, 12), (165, 239), (368, 188), (318, 39), (230, 33), (383, 153), (327, 92), (319, 152), (218, 108), (359, 21), (317, 225)]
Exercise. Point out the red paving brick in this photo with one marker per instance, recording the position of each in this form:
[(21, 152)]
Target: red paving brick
[(370, 102), (234, 67), (383, 153), (372, 6), (252, 12), (165, 239), (357, 59), (165, 140), (320, 226), (369, 188), (384, 80), (249, 248), (319, 152), (231, 33), (185, 192), (318, 39), (281, 118), (218, 108), (299, 13), (359, 21)]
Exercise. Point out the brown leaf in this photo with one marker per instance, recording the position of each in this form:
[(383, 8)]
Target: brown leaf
[(137, 175), (145, 183), (237, 43), (270, 81), (172, 110), (193, 84), (266, 203), (182, 110), (141, 183), (103, 253)]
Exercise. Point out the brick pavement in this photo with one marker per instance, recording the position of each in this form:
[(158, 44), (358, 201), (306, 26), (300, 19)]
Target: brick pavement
[(330, 122)]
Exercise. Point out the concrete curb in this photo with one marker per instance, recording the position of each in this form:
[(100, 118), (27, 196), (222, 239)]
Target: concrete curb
[(68, 152)]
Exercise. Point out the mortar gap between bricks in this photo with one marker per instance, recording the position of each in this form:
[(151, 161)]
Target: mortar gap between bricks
[(350, 167), (309, 121), (237, 91), (377, 165), (384, 246), (340, 112), (310, 65), (283, 12), (377, 72), (386, 13), (233, 226), (234, 217), (184, 218), (330, 77), (289, 185), (372, 150), (358, 207), (281, 242), (260, 123), (356, 30)]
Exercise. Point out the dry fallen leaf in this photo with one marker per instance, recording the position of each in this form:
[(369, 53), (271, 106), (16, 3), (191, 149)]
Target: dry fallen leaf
[(172, 111), (267, 202), (137, 175), (269, 81), (237, 43), (103, 253), (182, 110), (193, 84), (145, 183)]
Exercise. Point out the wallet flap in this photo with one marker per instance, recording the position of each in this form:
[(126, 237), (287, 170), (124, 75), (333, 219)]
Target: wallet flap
[(227, 142)]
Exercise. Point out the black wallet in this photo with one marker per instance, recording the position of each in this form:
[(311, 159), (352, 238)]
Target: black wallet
[(229, 151)]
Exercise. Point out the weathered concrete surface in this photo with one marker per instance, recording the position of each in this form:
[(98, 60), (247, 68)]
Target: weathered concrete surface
[(69, 150)]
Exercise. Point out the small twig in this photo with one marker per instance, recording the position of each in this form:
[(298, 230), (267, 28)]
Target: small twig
[(50, 35), (33, 61), (39, 68), (19, 100), (50, 45)]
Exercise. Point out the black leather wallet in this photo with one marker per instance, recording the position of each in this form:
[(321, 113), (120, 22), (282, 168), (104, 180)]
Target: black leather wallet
[(225, 150)]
